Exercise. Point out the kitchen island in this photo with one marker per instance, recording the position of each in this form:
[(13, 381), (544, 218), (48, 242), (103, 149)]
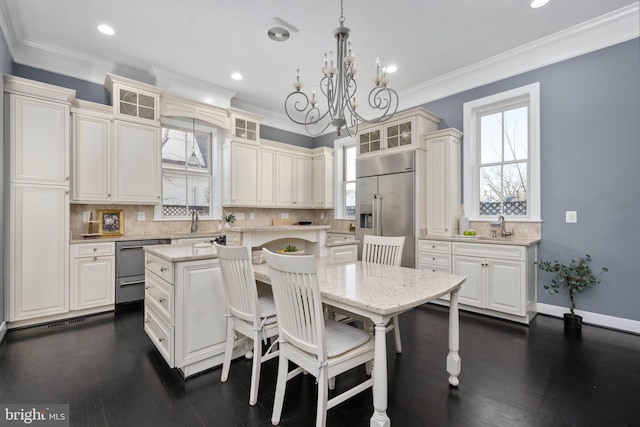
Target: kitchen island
[(184, 306)]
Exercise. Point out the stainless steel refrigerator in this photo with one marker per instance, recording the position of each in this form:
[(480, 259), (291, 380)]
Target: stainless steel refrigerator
[(385, 200)]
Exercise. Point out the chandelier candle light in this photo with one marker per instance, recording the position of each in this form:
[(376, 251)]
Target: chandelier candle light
[(339, 87)]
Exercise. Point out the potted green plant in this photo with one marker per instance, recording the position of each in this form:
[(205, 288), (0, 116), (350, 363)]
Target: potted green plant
[(576, 277), (229, 218)]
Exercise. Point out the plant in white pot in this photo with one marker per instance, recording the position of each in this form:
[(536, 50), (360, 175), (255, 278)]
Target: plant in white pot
[(229, 218), (576, 277)]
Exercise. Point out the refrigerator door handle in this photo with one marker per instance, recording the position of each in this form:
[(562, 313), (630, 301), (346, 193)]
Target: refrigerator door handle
[(377, 215)]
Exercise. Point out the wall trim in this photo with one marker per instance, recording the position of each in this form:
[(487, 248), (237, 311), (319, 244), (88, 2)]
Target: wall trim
[(619, 323)]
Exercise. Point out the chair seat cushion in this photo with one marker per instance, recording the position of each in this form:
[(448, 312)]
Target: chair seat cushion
[(341, 337), (267, 309)]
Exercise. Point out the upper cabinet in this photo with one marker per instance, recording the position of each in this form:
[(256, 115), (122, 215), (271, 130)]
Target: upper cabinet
[(323, 178), (400, 133), (244, 126), (132, 100)]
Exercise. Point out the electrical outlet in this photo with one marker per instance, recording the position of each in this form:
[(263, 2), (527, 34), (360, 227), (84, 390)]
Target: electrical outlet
[(252, 215), (141, 216), (239, 216), (571, 217), (284, 215), (86, 216), (322, 215)]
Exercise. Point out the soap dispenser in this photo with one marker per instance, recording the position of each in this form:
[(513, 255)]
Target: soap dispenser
[(463, 223)]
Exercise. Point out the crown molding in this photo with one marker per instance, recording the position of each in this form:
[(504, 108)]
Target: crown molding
[(607, 30)]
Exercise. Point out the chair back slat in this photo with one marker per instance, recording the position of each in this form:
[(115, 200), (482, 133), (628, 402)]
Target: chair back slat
[(239, 282), (294, 281), (383, 249)]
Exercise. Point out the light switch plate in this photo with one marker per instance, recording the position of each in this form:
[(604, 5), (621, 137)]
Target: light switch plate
[(252, 215), (86, 216), (284, 215), (141, 216), (571, 217)]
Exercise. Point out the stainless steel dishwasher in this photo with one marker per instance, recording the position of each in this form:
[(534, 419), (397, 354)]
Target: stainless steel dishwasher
[(130, 270)]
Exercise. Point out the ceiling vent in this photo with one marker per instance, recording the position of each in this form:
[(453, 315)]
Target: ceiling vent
[(280, 31)]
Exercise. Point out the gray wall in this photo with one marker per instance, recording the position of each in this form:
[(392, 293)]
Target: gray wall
[(274, 134), (5, 68), (590, 162)]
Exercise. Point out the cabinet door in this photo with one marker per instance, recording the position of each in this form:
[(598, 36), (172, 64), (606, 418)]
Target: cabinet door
[(472, 290), (323, 182), (285, 179), (245, 129), (370, 142), (39, 138), (302, 182), (200, 326), (38, 253), (91, 159), (93, 283), (505, 286), (137, 163), (438, 215), (266, 185), (399, 135), (244, 178)]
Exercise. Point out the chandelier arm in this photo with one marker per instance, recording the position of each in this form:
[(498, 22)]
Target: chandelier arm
[(300, 106)]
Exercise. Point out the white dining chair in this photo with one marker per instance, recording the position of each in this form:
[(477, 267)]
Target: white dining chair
[(321, 348), (253, 317)]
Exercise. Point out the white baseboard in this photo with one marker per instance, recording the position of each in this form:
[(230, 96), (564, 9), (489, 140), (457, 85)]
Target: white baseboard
[(603, 320), (3, 330)]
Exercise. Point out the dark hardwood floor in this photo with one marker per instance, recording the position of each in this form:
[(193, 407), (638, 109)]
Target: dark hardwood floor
[(106, 368)]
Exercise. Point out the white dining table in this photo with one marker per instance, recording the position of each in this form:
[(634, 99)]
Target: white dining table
[(378, 292)]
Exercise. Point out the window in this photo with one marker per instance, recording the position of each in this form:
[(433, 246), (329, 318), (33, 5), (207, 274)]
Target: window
[(187, 172), (501, 155), (345, 155)]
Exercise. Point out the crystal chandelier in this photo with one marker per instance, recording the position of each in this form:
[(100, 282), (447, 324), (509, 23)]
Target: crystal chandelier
[(339, 87)]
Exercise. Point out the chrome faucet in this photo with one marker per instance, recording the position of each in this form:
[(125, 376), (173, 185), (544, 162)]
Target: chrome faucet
[(505, 233), (194, 221)]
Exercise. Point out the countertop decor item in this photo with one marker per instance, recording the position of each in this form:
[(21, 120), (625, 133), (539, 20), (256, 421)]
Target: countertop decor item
[(576, 277), (229, 218), (339, 86), (111, 222)]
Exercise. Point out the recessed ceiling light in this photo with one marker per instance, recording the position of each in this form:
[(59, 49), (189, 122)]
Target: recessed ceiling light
[(392, 68), (106, 29), (236, 76), (538, 3)]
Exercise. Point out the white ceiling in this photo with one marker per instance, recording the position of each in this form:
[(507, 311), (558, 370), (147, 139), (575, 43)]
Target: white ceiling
[(207, 40)]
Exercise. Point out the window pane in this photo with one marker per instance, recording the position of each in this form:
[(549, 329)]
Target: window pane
[(491, 138), (350, 163), (174, 199), (201, 151), (349, 199), (515, 188), (516, 134), (173, 146), (490, 190), (198, 194)]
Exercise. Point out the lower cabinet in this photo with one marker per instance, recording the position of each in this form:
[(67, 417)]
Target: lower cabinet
[(184, 313), (93, 276), (434, 255)]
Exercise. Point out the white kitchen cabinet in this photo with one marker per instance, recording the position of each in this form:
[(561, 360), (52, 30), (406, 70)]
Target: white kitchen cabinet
[(323, 179), (38, 252), (343, 253), (136, 163), (293, 180), (184, 312), (93, 276), (249, 172), (443, 182), (133, 100), (39, 139), (401, 133), (500, 279), (91, 154), (244, 126), (434, 255)]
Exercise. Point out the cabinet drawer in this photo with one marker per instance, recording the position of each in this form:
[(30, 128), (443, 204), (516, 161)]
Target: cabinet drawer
[(160, 267), (490, 251), (92, 249), (333, 237), (434, 267), (159, 294), (434, 258), (161, 334), (434, 246), (344, 253)]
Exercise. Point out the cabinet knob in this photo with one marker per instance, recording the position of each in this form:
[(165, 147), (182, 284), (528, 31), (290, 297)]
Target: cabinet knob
[(95, 249), (66, 178), (433, 246), (163, 268), (95, 258), (162, 339), (146, 320), (148, 261), (147, 287), (161, 300), (433, 258)]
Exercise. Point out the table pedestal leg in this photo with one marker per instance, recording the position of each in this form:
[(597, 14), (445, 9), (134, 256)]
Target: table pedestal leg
[(380, 388), (453, 359)]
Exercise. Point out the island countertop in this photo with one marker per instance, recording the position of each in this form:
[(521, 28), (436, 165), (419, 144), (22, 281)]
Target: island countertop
[(183, 252), (278, 228)]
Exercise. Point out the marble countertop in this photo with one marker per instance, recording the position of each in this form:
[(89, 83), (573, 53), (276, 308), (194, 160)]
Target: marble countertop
[(376, 288), (81, 239), (278, 228), (513, 241), (183, 252)]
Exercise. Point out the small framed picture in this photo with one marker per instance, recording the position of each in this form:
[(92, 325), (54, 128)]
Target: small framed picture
[(111, 222)]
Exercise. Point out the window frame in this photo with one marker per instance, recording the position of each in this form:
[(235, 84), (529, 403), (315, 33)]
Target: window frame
[(472, 110), (339, 146)]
